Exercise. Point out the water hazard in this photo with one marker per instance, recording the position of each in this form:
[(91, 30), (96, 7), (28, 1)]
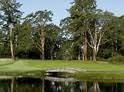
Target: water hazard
[(54, 84)]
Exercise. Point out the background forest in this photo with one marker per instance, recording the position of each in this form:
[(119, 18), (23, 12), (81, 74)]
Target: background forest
[(88, 33)]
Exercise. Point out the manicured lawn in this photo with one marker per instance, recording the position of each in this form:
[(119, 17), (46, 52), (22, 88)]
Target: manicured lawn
[(77, 69)]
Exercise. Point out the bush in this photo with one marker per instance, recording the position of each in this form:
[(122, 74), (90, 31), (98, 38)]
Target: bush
[(117, 59)]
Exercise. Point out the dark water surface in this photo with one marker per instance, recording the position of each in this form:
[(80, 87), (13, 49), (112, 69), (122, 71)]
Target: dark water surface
[(52, 84)]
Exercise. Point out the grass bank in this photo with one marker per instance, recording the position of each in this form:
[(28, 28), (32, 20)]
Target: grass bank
[(76, 69)]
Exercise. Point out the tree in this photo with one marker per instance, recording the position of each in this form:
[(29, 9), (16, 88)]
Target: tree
[(10, 15), (81, 15), (100, 25), (39, 20), (67, 47), (116, 37), (52, 41), (23, 43), (120, 36)]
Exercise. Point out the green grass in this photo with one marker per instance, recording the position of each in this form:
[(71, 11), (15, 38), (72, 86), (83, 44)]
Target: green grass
[(89, 70)]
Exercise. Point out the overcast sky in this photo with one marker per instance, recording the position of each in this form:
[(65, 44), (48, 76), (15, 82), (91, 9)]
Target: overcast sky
[(58, 7)]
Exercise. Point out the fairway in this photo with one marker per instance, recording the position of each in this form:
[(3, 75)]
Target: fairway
[(77, 69)]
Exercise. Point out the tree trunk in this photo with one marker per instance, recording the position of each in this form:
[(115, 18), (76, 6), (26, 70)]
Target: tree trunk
[(95, 47), (42, 45), (11, 43), (79, 53), (112, 54), (51, 53), (84, 48), (94, 54)]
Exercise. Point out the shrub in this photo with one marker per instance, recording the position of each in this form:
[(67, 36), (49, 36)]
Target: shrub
[(117, 59)]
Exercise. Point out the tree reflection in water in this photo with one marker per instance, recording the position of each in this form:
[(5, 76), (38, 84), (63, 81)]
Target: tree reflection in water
[(57, 85)]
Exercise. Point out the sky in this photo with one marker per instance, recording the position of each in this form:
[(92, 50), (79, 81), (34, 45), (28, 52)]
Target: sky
[(59, 7)]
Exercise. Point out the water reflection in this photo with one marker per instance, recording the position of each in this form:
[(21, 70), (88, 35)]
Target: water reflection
[(50, 84)]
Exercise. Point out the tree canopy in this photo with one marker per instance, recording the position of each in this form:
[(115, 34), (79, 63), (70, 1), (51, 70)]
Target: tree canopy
[(87, 33)]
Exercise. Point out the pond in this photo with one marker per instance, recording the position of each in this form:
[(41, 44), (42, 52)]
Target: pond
[(55, 84)]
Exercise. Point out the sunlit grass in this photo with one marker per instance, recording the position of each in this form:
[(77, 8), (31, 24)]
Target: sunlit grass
[(82, 69)]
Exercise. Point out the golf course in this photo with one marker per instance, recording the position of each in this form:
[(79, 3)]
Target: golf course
[(76, 69)]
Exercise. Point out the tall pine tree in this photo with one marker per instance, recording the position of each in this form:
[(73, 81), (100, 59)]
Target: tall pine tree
[(10, 15)]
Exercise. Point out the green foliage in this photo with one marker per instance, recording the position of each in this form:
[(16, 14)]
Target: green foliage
[(64, 41), (52, 41), (81, 14), (24, 42), (39, 21), (117, 59), (39, 18), (10, 11)]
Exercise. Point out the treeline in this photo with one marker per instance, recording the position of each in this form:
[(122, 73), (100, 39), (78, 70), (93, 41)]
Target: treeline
[(88, 33)]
